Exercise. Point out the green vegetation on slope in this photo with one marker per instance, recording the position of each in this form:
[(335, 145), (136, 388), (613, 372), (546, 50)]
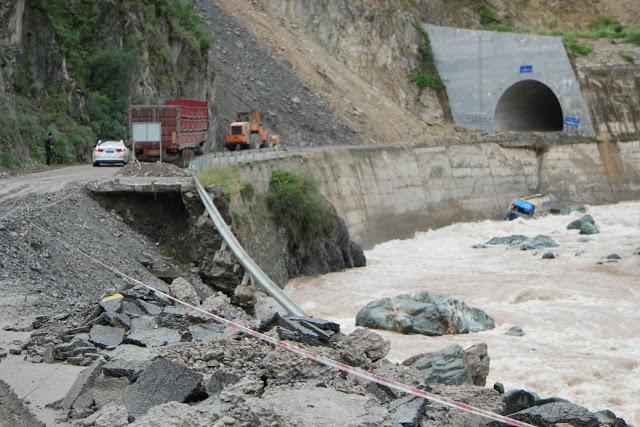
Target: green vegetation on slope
[(427, 73), (101, 43), (633, 37), (226, 177), (628, 56), (575, 46), (602, 27), (296, 204)]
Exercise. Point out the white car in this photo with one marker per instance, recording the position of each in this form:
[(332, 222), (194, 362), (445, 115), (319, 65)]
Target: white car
[(110, 153)]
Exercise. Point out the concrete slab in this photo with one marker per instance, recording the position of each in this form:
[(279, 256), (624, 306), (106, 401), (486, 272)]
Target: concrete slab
[(126, 185), (40, 384)]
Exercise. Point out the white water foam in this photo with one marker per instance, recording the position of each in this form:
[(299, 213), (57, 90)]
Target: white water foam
[(581, 318)]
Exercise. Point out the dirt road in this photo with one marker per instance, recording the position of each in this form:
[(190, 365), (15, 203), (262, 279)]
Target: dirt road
[(51, 181)]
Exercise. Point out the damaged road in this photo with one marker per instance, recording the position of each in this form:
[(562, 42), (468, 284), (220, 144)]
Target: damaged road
[(13, 411)]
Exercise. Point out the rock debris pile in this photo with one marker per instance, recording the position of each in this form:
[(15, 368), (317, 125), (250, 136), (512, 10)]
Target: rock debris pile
[(156, 169), (137, 316)]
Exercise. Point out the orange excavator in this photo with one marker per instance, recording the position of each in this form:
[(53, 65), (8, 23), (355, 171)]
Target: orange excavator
[(247, 132)]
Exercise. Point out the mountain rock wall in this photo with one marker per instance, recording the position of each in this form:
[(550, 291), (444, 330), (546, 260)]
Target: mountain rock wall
[(74, 74)]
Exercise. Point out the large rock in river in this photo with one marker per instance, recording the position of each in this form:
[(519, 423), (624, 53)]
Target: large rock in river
[(423, 313), (586, 225)]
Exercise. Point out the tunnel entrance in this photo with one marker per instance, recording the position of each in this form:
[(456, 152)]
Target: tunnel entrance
[(528, 106)]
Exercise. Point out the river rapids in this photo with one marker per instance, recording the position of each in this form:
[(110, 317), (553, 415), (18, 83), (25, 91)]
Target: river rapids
[(580, 313)]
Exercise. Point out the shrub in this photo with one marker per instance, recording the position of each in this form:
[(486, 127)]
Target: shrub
[(226, 177), (427, 75), (247, 191), (239, 219), (8, 159), (633, 38), (504, 28), (604, 26), (628, 56), (296, 204), (573, 45), (185, 20), (111, 72), (427, 80), (489, 17)]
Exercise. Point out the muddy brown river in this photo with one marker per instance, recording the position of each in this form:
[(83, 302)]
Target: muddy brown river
[(580, 313)]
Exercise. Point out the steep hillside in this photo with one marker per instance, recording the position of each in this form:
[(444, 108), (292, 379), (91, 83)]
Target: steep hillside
[(325, 72), (368, 108), (378, 43), (250, 76), (74, 74)]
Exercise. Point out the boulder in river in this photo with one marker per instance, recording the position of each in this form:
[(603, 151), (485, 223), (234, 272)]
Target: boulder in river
[(586, 225), (525, 243), (424, 313), (513, 240), (515, 331), (538, 242)]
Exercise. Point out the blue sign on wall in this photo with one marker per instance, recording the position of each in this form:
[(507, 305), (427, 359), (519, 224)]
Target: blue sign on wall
[(572, 121), (526, 68)]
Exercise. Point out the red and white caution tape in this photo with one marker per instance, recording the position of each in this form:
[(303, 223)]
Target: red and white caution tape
[(357, 372)]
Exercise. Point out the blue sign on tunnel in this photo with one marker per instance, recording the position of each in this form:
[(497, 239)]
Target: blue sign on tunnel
[(526, 68), (572, 121)]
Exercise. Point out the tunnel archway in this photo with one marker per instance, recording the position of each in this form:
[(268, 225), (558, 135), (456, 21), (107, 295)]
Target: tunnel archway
[(528, 106)]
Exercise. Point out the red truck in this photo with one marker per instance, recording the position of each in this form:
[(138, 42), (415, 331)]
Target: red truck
[(172, 132)]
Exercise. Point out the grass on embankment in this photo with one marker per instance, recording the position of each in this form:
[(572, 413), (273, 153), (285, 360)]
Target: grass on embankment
[(225, 177), (576, 42), (295, 203)]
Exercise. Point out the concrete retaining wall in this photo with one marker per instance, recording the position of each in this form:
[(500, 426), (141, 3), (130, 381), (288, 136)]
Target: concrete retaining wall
[(390, 192)]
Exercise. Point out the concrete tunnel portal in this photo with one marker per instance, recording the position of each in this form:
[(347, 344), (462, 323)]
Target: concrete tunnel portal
[(509, 82), (528, 105)]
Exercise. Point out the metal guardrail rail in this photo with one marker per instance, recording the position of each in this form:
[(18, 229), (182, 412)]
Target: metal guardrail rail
[(259, 276), (236, 157)]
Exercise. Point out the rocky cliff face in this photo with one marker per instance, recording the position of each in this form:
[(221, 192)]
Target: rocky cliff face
[(75, 73), (610, 86), (377, 40), (279, 254)]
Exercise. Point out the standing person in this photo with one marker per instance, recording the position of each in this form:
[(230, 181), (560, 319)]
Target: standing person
[(48, 144)]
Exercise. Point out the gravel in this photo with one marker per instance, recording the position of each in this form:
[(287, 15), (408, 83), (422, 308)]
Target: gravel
[(156, 169), (63, 290)]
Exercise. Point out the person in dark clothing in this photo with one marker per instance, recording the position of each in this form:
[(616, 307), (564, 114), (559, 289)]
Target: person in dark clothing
[(48, 144)]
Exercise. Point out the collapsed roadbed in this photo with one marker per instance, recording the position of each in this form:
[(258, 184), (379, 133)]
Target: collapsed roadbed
[(149, 360)]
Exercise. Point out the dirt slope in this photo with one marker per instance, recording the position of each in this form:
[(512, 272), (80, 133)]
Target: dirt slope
[(375, 117), (249, 77)]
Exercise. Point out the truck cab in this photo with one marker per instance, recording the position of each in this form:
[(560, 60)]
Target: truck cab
[(528, 207)]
